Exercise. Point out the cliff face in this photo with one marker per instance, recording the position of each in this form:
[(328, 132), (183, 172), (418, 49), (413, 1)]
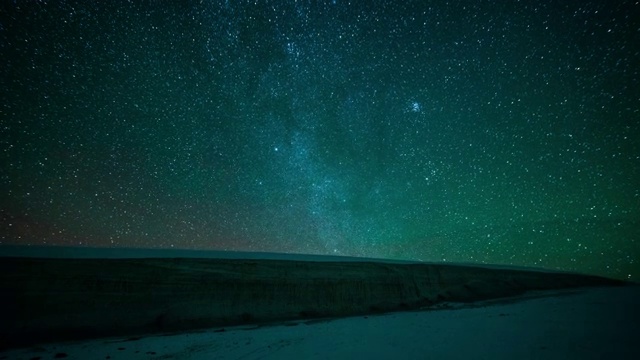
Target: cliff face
[(63, 299)]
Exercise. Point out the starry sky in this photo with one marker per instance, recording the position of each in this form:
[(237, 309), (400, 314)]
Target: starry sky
[(460, 131)]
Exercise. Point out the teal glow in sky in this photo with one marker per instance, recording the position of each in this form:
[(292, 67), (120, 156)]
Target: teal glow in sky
[(463, 131)]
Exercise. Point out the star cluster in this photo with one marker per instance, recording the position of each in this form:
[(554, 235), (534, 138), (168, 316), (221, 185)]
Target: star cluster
[(463, 131)]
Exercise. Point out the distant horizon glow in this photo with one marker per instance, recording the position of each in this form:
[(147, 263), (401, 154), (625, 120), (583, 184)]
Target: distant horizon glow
[(467, 133)]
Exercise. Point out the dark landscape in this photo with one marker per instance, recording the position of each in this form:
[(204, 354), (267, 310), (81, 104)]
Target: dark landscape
[(58, 299)]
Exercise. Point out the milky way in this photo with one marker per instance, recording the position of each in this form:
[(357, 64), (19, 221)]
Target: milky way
[(457, 131)]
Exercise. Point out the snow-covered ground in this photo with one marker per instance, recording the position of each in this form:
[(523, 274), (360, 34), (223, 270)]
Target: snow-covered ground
[(596, 323)]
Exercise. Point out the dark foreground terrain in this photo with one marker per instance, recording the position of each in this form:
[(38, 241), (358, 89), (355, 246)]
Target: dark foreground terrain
[(55, 299)]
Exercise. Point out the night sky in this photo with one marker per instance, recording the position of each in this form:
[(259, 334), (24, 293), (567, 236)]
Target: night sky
[(503, 132)]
